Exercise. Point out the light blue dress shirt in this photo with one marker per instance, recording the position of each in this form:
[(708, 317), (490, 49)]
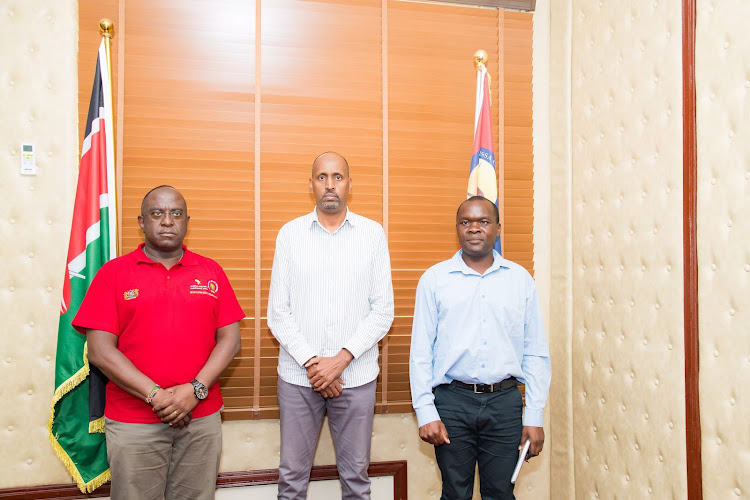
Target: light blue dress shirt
[(478, 329)]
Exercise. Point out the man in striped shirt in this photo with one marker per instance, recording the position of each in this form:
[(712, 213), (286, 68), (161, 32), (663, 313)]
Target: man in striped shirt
[(330, 302)]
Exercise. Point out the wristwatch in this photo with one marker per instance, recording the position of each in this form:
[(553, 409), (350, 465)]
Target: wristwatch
[(200, 390)]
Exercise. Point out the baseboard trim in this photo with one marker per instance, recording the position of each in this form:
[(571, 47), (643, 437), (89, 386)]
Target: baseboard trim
[(236, 479)]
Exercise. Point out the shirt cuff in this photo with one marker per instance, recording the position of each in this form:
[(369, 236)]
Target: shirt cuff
[(426, 414), (304, 355), (533, 418), (356, 348)]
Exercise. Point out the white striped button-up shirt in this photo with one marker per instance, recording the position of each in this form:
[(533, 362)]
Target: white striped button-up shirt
[(330, 291)]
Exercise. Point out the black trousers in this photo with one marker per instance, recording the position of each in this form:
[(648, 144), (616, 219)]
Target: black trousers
[(484, 429)]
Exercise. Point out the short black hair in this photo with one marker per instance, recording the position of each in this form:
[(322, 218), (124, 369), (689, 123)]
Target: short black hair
[(332, 153), (481, 198), (154, 189)]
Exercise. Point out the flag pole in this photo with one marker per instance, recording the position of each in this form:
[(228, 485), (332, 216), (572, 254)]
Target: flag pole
[(483, 178), (107, 29), (480, 63)]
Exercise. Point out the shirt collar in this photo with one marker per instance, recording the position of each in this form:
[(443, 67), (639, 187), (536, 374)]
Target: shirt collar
[(457, 264), (350, 218), (188, 259)]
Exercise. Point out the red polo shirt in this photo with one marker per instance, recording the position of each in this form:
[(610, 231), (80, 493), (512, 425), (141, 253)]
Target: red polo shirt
[(166, 321)]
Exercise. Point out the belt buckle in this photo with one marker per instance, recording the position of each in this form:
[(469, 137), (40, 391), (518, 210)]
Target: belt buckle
[(491, 386)]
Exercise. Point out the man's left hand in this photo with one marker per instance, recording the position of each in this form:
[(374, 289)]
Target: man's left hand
[(322, 372), (182, 403), (536, 436)]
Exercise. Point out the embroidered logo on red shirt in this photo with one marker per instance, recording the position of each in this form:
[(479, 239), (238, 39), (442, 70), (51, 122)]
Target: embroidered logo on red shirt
[(209, 289), (130, 294)]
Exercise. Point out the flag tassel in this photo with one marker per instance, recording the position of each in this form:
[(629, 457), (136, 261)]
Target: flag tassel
[(62, 390)]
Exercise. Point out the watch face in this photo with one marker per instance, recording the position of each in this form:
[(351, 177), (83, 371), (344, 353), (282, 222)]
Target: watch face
[(201, 391)]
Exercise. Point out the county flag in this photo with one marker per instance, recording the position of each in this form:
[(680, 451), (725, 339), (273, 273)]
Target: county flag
[(482, 178), (76, 435)]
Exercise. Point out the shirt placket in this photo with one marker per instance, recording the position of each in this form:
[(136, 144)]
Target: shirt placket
[(330, 279), (485, 328)]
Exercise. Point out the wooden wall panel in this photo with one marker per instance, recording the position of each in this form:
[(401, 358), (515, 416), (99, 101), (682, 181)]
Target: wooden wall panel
[(321, 91), (518, 139), (432, 84), (189, 119), (188, 122)]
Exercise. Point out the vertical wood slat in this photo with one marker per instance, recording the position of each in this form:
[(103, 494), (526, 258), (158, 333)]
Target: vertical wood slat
[(120, 120), (384, 86), (690, 254), (500, 153), (256, 182)]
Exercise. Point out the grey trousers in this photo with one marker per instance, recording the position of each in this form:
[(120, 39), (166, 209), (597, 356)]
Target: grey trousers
[(155, 461), (350, 418)]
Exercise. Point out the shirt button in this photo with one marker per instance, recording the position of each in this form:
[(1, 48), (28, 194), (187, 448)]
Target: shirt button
[(483, 366), (483, 295), (484, 343)]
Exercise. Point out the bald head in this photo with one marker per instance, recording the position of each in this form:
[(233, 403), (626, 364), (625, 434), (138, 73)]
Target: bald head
[(330, 155)]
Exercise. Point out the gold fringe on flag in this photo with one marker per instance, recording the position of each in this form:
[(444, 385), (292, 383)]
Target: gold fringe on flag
[(62, 390)]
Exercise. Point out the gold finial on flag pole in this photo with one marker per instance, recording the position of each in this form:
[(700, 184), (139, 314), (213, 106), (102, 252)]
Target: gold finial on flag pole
[(107, 27), (480, 58)]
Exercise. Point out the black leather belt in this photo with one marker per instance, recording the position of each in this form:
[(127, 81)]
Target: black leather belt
[(483, 388)]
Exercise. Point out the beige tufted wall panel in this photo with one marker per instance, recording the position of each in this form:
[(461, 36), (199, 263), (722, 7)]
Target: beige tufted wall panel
[(723, 119), (38, 103), (627, 338)]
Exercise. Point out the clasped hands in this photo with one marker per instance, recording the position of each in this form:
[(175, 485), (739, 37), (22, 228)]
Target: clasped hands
[(174, 405), (324, 373)]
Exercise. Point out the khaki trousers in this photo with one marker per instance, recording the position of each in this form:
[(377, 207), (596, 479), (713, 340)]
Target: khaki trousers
[(155, 461)]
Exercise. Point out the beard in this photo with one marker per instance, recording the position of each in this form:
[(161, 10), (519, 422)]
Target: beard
[(331, 204)]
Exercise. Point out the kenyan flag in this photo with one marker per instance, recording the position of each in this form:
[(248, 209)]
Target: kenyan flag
[(76, 423)]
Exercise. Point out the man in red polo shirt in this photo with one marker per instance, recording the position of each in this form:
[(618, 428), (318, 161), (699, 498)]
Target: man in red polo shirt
[(162, 323)]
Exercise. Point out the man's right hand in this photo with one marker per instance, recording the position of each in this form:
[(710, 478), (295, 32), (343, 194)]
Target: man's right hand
[(434, 433), (332, 391), (162, 399)]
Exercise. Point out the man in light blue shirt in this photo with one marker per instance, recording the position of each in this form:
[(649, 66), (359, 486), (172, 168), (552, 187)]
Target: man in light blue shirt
[(478, 331)]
